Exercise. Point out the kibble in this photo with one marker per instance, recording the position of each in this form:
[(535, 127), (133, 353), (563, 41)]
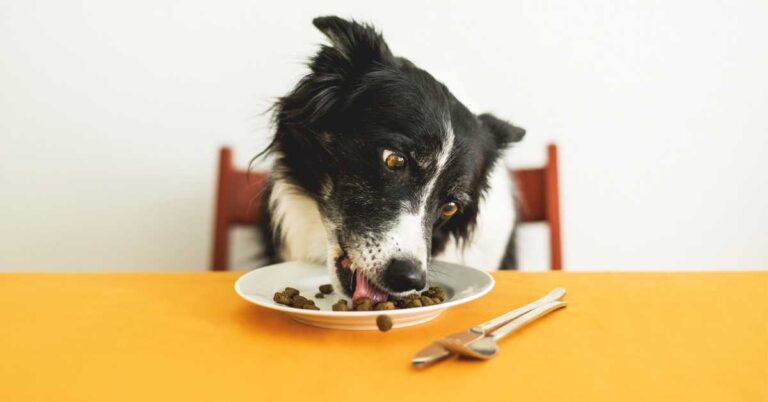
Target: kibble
[(326, 289), (290, 292), (341, 305), (292, 297), (360, 301), (384, 322), (299, 301), (426, 301), (388, 305), (400, 303), (362, 304), (439, 292), (282, 298), (413, 303)]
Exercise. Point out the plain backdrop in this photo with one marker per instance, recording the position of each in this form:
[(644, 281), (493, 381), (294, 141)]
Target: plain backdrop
[(111, 114)]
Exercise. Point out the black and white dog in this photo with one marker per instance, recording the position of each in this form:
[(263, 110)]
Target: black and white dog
[(378, 168)]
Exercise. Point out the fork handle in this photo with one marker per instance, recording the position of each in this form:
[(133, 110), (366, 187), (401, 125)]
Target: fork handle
[(494, 324), (526, 318)]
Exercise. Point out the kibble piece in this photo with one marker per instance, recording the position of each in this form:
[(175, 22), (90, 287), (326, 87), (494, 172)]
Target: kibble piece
[(384, 323), (299, 301), (341, 305), (426, 301), (412, 296), (282, 298), (361, 301), (319, 296), (326, 289), (310, 307), (412, 303), (439, 292), (399, 303), (290, 292), (363, 304), (385, 306)]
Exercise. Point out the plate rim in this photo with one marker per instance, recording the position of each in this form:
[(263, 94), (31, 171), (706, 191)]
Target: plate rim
[(393, 313)]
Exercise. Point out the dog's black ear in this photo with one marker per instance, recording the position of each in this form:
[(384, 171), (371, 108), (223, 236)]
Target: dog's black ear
[(356, 49), (359, 45), (503, 132)]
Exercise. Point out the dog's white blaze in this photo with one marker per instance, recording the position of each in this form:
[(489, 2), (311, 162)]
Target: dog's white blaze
[(442, 160), (409, 230), (408, 236), (299, 223)]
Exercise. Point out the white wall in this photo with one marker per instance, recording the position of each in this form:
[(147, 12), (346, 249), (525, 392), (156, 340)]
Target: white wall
[(111, 114)]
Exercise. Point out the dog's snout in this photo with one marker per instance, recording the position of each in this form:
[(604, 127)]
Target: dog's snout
[(403, 275)]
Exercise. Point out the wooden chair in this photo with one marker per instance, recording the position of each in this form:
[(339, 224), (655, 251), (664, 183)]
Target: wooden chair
[(538, 195), (238, 203)]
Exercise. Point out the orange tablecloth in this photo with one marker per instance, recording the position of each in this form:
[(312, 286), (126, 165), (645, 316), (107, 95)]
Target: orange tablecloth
[(188, 337)]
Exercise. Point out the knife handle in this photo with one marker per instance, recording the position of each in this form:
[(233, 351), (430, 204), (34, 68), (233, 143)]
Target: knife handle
[(494, 324), (526, 318)]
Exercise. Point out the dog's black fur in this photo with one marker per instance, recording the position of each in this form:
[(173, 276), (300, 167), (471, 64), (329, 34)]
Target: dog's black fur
[(359, 100)]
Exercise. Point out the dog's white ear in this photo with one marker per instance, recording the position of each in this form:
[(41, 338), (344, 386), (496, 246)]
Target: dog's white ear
[(503, 132), (359, 44)]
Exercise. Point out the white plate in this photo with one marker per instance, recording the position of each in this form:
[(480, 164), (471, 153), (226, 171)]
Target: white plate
[(461, 284)]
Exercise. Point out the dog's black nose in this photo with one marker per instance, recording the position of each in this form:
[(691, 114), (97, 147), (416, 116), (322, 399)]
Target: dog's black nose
[(402, 275)]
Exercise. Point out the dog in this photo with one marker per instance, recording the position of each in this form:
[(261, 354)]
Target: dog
[(378, 168)]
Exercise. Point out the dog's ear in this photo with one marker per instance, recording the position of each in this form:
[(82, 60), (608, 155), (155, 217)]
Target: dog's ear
[(356, 49), (503, 132), (359, 45)]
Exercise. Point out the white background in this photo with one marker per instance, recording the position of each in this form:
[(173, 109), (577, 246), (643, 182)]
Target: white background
[(111, 114)]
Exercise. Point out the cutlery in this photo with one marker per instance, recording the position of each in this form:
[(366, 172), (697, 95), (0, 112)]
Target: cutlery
[(486, 347), (435, 351)]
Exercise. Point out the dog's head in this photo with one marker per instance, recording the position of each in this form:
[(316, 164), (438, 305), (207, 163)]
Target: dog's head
[(396, 164)]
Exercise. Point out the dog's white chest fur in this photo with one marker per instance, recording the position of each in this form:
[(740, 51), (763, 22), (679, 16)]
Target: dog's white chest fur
[(303, 236), (297, 221)]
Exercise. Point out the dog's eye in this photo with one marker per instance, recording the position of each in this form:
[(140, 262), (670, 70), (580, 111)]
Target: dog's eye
[(393, 160), (449, 209)]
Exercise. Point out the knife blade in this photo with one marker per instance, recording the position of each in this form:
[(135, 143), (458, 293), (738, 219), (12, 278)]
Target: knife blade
[(435, 352)]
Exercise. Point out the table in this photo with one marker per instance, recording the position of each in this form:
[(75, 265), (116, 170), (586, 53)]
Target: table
[(188, 337)]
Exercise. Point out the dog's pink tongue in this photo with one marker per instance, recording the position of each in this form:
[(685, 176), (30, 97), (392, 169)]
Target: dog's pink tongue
[(365, 288)]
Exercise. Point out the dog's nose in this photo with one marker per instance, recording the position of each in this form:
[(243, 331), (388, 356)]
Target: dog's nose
[(403, 274)]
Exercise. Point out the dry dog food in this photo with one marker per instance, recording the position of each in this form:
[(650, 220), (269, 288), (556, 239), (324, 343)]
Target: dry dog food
[(291, 297), (340, 305), (290, 292), (384, 322), (362, 304)]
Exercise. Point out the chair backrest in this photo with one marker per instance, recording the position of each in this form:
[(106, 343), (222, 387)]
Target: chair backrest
[(238, 203), (538, 197)]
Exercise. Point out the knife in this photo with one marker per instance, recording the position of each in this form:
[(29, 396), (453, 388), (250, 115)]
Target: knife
[(434, 352)]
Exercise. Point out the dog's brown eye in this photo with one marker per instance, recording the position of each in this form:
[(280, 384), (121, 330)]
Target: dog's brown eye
[(393, 160), (449, 209)]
